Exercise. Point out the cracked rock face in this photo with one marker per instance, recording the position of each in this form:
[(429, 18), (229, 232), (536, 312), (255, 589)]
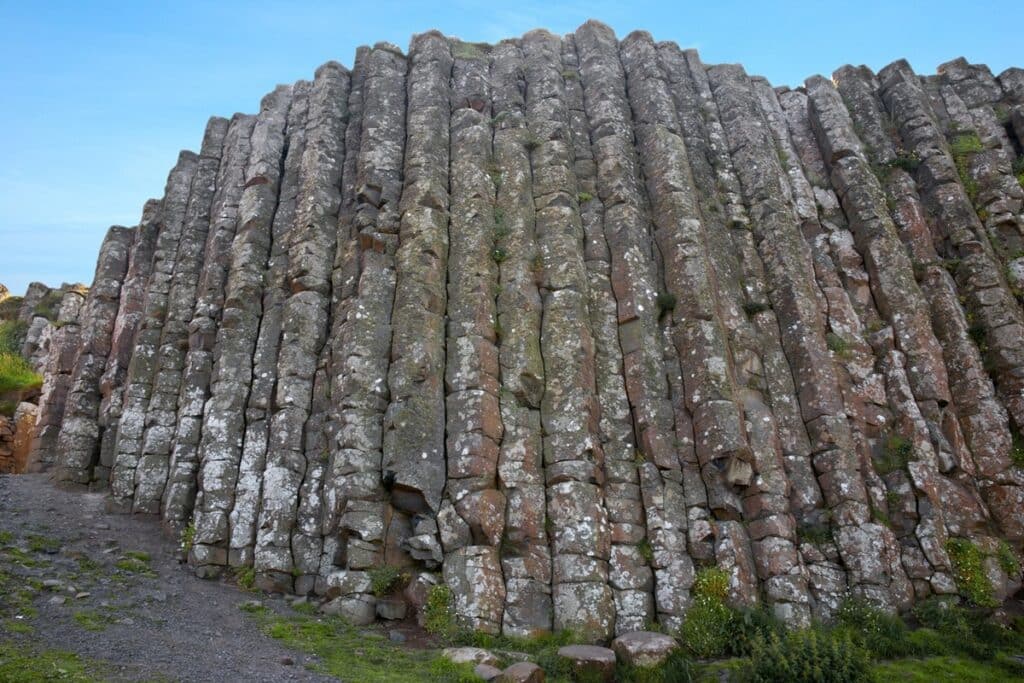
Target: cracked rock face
[(560, 321)]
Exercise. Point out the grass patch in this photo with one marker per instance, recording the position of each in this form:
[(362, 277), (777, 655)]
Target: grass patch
[(707, 631), (245, 577), (439, 615), (386, 580), (16, 374), (12, 335), (1017, 448), (19, 663), (91, 620), (963, 146), (895, 454), (42, 544), (188, 537), (837, 345), (135, 562), (968, 572), (360, 655)]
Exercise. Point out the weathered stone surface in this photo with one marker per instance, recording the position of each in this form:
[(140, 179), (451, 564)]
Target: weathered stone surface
[(590, 661), (556, 322), (644, 648)]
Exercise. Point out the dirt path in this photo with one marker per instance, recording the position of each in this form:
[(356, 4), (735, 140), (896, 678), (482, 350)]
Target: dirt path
[(109, 587)]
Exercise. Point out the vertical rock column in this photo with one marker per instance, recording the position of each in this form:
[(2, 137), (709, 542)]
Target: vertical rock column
[(354, 494), (474, 428), (162, 411), (179, 493), (311, 244), (142, 367), (789, 270), (978, 273), (304, 325), (635, 286), (223, 428), (79, 440), (414, 455), (249, 483), (573, 459), (57, 374), (968, 92), (129, 315), (525, 556), (629, 572)]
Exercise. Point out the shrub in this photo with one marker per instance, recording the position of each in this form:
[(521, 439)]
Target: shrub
[(16, 374), (1008, 561), (1017, 449), (969, 573), (188, 536), (884, 635), (439, 618), (531, 141), (895, 455), (963, 146), (837, 345), (584, 197), (707, 631), (751, 623), (245, 577), (385, 580), (645, 550), (12, 335), (908, 161), (811, 656)]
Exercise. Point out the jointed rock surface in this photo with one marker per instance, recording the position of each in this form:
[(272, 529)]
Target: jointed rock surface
[(557, 322)]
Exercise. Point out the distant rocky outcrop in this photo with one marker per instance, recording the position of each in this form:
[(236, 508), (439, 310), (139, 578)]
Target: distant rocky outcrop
[(557, 321)]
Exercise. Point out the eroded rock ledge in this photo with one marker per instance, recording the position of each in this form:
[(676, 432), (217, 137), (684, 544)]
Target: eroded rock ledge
[(560, 320)]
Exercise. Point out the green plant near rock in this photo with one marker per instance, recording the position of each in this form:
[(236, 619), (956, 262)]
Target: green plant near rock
[(386, 580), (16, 374), (245, 577), (665, 301), (645, 550), (895, 455), (808, 656), (1007, 559), (438, 614), (188, 536), (967, 560), (963, 146), (707, 630), (837, 345), (12, 335), (1017, 448)]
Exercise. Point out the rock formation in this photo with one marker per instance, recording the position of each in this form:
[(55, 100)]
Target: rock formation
[(559, 321)]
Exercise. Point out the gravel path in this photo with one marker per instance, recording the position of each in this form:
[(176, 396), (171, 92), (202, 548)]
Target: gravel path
[(148, 619)]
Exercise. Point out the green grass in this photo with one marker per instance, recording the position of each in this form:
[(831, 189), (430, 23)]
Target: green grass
[(21, 663), (963, 146), (12, 335), (16, 374), (387, 579), (42, 544), (135, 562), (969, 573), (360, 655), (895, 454), (91, 620), (935, 669)]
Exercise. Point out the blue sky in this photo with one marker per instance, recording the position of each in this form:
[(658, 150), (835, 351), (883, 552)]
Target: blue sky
[(98, 97)]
